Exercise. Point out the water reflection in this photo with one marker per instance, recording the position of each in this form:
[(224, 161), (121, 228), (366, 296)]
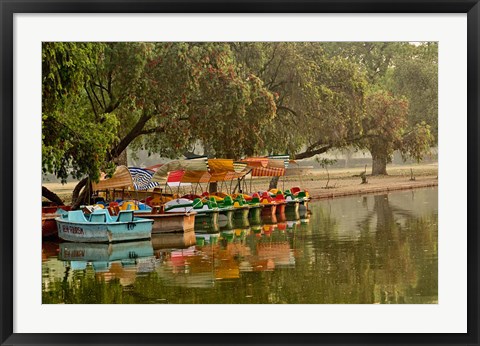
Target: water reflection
[(371, 249)]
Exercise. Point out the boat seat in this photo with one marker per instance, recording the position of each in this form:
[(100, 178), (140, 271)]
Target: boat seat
[(213, 202), (227, 201), (301, 194), (294, 190), (108, 217), (98, 217), (76, 216), (125, 216), (197, 203)]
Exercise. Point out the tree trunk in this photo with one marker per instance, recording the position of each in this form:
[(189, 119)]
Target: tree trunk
[(80, 199), (348, 157), (78, 188), (51, 196), (273, 183), (379, 160), (212, 187), (122, 159)]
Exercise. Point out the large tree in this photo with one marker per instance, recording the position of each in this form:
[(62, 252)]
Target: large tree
[(147, 95), (386, 128), (403, 70), (319, 99)]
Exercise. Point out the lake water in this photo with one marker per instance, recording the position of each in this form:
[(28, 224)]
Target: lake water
[(354, 250)]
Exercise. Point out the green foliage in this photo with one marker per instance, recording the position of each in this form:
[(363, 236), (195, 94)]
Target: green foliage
[(73, 143), (319, 99), (236, 99), (73, 146), (416, 78), (386, 128)]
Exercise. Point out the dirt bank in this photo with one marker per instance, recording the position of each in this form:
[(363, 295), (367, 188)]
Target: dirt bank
[(347, 187)]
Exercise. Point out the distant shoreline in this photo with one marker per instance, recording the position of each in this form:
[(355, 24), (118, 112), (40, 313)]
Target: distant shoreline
[(375, 188)]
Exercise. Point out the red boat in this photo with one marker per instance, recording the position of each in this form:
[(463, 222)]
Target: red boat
[(49, 226)]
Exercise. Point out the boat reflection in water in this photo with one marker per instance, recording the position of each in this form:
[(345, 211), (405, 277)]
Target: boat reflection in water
[(360, 250), (180, 240), (224, 255), (124, 261)]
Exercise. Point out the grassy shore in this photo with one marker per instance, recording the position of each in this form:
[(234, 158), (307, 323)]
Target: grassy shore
[(343, 182)]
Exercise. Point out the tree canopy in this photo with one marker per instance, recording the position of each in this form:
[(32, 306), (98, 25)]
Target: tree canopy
[(234, 98)]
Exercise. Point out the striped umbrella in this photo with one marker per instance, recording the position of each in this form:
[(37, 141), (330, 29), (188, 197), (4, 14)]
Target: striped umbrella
[(142, 178)]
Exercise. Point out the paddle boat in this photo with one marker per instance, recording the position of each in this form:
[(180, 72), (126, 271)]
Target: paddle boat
[(241, 208), (279, 198), (225, 210), (206, 217), (293, 203), (255, 209), (302, 195), (101, 227), (269, 205), (165, 222)]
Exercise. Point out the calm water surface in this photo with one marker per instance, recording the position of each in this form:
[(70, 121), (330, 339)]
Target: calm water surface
[(355, 250)]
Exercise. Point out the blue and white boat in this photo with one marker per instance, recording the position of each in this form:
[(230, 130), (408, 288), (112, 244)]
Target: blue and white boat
[(101, 227)]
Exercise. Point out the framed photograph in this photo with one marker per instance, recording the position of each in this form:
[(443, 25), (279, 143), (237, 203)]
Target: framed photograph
[(239, 172)]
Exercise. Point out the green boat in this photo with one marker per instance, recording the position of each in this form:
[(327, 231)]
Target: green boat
[(225, 218), (206, 217)]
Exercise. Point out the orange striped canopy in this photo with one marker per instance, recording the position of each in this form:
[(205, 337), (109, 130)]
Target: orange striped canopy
[(265, 167)]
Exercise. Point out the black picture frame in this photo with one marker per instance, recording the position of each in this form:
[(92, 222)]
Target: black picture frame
[(10, 7)]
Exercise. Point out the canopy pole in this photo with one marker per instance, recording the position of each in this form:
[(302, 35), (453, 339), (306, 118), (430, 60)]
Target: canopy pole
[(208, 185)]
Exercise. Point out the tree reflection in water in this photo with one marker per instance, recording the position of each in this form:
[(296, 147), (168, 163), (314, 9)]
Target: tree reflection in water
[(359, 250)]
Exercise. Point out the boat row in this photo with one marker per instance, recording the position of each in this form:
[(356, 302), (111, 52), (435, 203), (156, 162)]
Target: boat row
[(132, 220), (131, 204)]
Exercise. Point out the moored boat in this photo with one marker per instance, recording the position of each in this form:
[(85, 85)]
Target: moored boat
[(280, 201), (49, 214), (225, 210), (169, 222), (101, 227), (293, 203), (269, 205), (206, 217), (241, 208)]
